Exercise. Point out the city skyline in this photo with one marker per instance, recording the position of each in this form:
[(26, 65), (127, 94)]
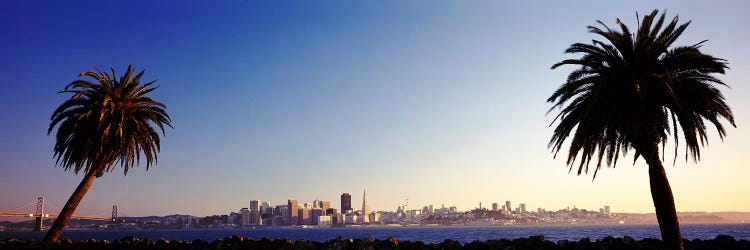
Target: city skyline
[(439, 104)]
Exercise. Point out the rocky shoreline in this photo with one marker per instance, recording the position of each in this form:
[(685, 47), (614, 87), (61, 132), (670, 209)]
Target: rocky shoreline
[(238, 242)]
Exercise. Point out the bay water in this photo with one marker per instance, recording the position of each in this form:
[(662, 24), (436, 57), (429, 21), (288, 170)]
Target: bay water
[(425, 234)]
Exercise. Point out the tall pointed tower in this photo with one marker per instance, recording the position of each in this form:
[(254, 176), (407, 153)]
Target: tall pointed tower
[(365, 208)]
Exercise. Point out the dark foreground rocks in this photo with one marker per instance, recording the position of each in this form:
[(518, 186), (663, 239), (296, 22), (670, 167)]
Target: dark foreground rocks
[(238, 242)]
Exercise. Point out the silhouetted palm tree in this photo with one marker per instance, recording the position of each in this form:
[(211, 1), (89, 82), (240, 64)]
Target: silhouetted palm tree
[(105, 123), (633, 92)]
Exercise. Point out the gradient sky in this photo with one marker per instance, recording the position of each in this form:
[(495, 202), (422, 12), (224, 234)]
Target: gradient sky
[(437, 102)]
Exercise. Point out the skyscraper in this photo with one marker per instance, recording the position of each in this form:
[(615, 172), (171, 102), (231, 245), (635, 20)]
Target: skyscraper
[(244, 216), (494, 206), (255, 212), (265, 208), (346, 203), (507, 206), (293, 218), (325, 205), (365, 207)]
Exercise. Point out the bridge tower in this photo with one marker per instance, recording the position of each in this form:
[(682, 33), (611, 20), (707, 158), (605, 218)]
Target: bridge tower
[(39, 214), (114, 214)]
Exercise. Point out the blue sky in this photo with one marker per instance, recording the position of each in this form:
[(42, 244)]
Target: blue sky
[(439, 102)]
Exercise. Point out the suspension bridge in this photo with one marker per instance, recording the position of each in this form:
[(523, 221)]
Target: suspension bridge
[(40, 213)]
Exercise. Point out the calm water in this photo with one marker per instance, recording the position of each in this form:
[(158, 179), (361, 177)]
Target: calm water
[(426, 234)]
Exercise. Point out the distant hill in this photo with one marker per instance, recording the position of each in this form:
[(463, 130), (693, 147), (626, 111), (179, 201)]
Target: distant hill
[(692, 217)]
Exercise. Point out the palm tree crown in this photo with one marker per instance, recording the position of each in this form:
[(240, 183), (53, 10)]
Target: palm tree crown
[(108, 121), (634, 91)]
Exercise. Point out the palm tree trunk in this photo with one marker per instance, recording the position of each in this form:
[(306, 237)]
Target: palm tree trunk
[(67, 211), (661, 193)]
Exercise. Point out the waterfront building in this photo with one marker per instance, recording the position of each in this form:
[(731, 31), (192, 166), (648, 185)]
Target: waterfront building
[(324, 221), (314, 214), (331, 211), (346, 202), (293, 218), (233, 219), (304, 216), (338, 219), (374, 217), (350, 218), (244, 216), (278, 221), (255, 212)]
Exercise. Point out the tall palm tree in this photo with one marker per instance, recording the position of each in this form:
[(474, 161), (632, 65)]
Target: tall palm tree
[(634, 92), (105, 123)]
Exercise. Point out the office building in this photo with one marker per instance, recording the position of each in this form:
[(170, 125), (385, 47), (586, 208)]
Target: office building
[(325, 220), (314, 214), (325, 205), (255, 212), (293, 218), (304, 216), (244, 216), (266, 208), (508, 206), (346, 202)]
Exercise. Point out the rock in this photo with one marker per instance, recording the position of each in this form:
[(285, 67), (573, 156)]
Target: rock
[(237, 238), (725, 241), (498, 244), (629, 240), (537, 242), (476, 245), (162, 242), (651, 243), (450, 244), (393, 241)]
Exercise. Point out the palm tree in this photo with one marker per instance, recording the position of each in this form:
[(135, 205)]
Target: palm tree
[(633, 92), (105, 123)]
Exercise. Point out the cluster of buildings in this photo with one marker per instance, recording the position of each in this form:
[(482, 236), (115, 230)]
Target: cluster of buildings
[(320, 213), (507, 208), (294, 213)]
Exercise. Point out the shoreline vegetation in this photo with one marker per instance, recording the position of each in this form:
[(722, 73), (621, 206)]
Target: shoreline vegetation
[(239, 242)]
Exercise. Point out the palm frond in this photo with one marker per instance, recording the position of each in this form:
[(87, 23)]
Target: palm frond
[(634, 93), (108, 122)]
